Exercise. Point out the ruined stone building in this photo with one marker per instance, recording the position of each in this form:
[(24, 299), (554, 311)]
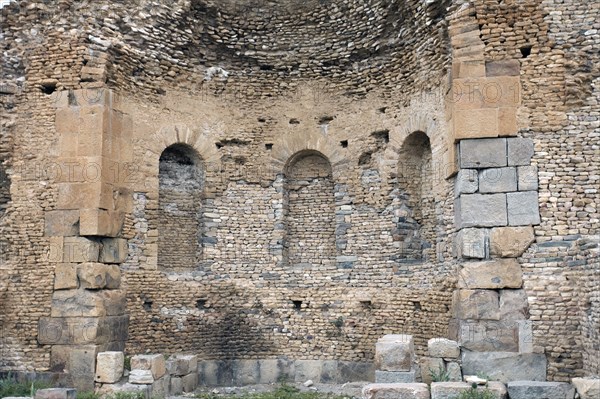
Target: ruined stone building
[(280, 183)]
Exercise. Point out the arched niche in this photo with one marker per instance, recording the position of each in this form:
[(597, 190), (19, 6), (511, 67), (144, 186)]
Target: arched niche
[(309, 210), (415, 217), (180, 187)]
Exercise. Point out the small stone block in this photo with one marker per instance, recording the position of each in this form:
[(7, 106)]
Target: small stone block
[(483, 153), (56, 393), (454, 371), (471, 243), (176, 386), (65, 276), (109, 367), (502, 68), (160, 387), (190, 382), (114, 250), (448, 389), (396, 391), (523, 208), (80, 249), (137, 376), (540, 389), (476, 304), (155, 363), (520, 151), (467, 182), (528, 178), (394, 376), (428, 366), (61, 223), (98, 275), (498, 180), (444, 348), (510, 242)]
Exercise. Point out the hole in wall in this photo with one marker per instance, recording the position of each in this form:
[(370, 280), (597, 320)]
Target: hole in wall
[(344, 143), (147, 305), (219, 146), (201, 303), (417, 305), (262, 120), (266, 67), (383, 135), (368, 305), (269, 146), (297, 305), (381, 110), (325, 119), (294, 121), (525, 51), (48, 88)]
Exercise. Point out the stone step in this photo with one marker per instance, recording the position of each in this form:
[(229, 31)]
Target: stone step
[(396, 391)]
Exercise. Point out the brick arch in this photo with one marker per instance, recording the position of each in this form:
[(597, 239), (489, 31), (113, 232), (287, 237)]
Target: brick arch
[(288, 146)]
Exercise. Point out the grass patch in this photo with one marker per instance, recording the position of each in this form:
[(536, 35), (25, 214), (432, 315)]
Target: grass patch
[(474, 393), (10, 387), (282, 392)]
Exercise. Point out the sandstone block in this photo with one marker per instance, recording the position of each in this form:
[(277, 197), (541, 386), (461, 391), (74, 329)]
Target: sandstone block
[(587, 388), (508, 124), (471, 243), (109, 367), (513, 305), (493, 274), (55, 393), (190, 382), (475, 123), (483, 153), (390, 377), (98, 275), (396, 391), (479, 210), (155, 363), (442, 347), (61, 223), (539, 389), (510, 242), (65, 276), (137, 376), (85, 303), (476, 304), (100, 222), (82, 330), (394, 353), (520, 151), (80, 249), (467, 182), (114, 250), (498, 180), (505, 366), (488, 335), (502, 68), (523, 208), (428, 366)]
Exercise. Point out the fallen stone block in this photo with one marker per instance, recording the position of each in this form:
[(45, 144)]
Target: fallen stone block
[(155, 363), (387, 377), (56, 393), (396, 391), (190, 382), (109, 367), (540, 389), (505, 366), (510, 242), (443, 347), (493, 274), (394, 353), (587, 388), (137, 376)]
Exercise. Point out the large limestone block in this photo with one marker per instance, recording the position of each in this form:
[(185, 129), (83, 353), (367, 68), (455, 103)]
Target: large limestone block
[(483, 153), (443, 347), (137, 376), (493, 274), (467, 182), (155, 363), (100, 222), (513, 305), (510, 242), (82, 330), (498, 180), (520, 151), (89, 195), (394, 353), (502, 68), (56, 393), (80, 249), (505, 366), (476, 304), (481, 210), (388, 377), (93, 275), (114, 250), (85, 303), (523, 208), (428, 366), (474, 123), (65, 276), (181, 365), (61, 223), (82, 366), (540, 389), (308, 370), (471, 243), (396, 391), (528, 178), (109, 367), (587, 388), (488, 335)]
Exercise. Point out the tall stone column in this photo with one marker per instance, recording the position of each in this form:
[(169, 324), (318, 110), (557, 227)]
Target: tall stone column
[(88, 312), (496, 206)]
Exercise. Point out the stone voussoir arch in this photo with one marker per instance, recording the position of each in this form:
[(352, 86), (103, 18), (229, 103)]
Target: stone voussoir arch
[(287, 148), (180, 133)]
